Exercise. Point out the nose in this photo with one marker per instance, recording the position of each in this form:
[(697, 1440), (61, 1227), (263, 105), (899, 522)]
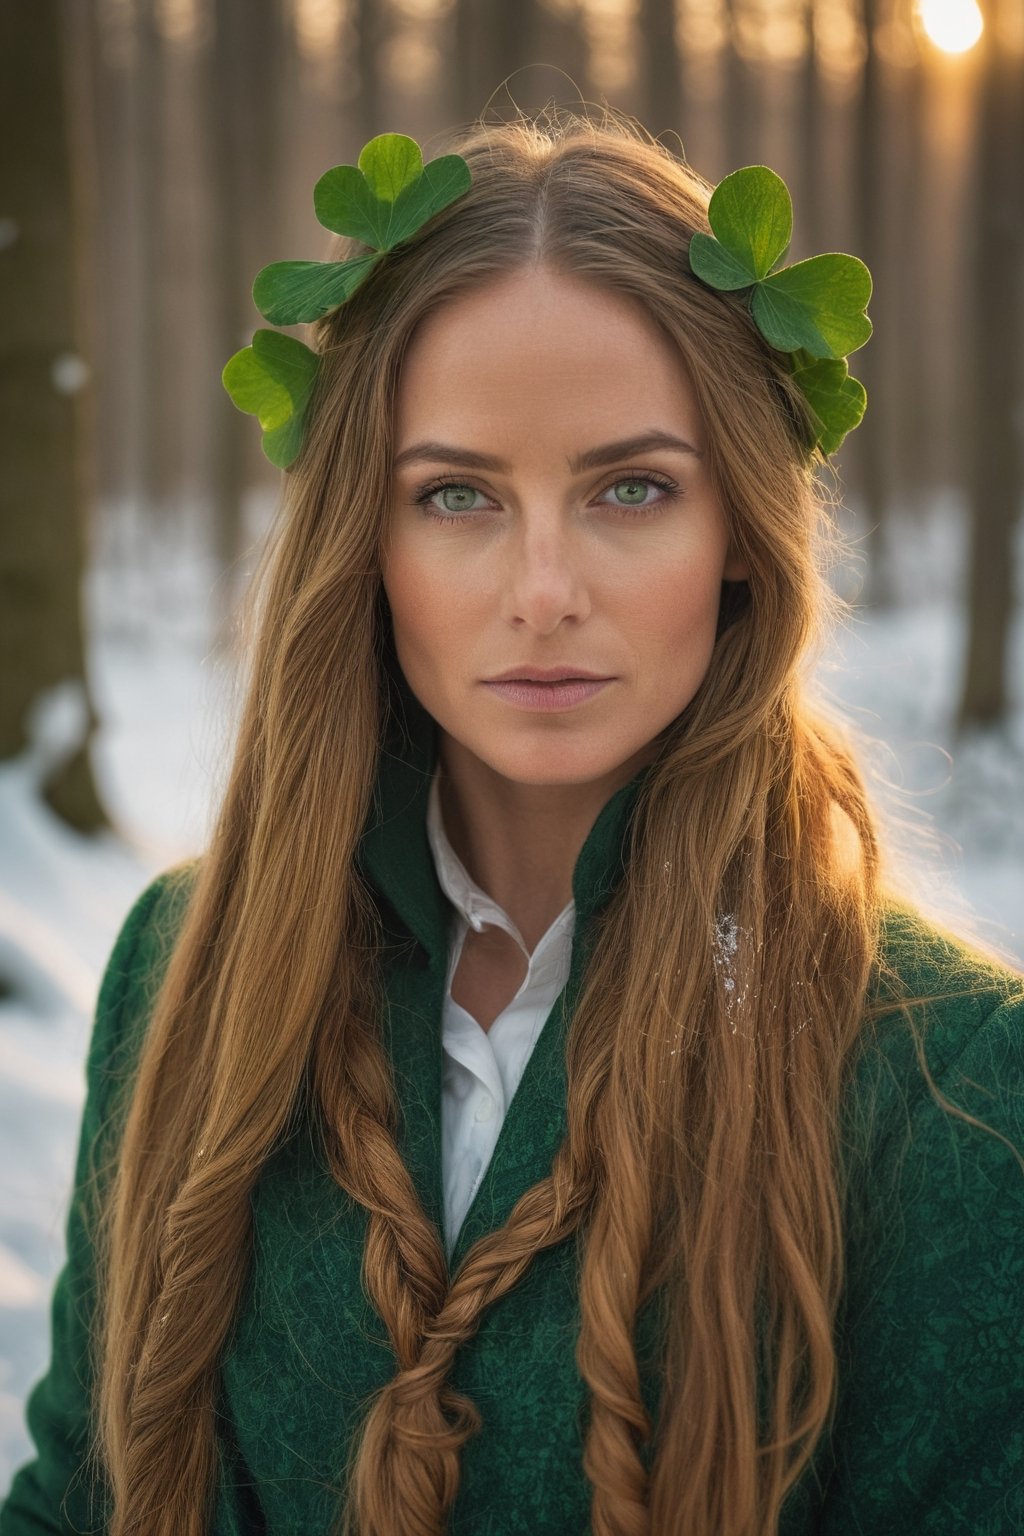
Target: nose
[(544, 580)]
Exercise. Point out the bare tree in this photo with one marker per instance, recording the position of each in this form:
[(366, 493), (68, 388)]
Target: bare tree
[(562, 40), (241, 92), (809, 115), (45, 478), (740, 98), (994, 381), (661, 66), (870, 161), (371, 30), (915, 466), (508, 40), (147, 161), (464, 93)]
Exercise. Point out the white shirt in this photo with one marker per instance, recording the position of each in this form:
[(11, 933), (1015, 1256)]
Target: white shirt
[(482, 1068)]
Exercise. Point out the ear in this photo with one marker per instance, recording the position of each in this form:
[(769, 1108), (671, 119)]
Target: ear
[(736, 568)]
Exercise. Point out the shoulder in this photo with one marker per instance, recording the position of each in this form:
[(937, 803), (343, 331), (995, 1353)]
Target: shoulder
[(931, 1333), (960, 998), (146, 937), (932, 1126), (917, 953), (941, 1015), (133, 973)]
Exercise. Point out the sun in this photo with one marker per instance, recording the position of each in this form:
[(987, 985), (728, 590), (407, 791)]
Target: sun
[(952, 25)]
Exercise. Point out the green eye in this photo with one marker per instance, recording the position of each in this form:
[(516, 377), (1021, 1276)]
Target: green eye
[(458, 490), (639, 485), (426, 493), (670, 491)]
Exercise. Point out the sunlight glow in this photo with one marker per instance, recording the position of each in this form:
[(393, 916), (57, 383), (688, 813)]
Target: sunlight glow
[(952, 25), (317, 26)]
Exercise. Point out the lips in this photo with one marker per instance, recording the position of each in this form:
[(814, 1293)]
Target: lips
[(549, 675), (556, 696)]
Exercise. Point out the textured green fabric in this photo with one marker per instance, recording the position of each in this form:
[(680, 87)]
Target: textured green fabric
[(929, 1432)]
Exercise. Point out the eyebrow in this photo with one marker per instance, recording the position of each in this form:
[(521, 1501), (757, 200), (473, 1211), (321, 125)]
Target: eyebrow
[(593, 458)]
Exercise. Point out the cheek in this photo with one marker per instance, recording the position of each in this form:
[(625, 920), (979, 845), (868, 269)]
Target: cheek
[(426, 604), (678, 604)]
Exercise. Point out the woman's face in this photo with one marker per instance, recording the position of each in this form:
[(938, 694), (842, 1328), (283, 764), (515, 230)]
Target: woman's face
[(561, 549)]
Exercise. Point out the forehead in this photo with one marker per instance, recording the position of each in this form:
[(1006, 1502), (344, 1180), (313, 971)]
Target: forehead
[(537, 352)]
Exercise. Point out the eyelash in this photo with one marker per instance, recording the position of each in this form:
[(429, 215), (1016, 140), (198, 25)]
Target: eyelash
[(423, 495)]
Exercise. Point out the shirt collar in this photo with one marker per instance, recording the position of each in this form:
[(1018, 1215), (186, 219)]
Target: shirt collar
[(470, 900)]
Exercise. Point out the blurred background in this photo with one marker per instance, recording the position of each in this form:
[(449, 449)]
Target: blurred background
[(157, 153)]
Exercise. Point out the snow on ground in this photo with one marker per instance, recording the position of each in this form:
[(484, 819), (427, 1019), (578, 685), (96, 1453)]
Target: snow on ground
[(952, 809), (164, 699), (163, 690)]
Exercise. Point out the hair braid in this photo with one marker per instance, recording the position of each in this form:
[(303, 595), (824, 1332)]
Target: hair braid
[(404, 1470), (210, 1210), (404, 1268), (610, 1285)]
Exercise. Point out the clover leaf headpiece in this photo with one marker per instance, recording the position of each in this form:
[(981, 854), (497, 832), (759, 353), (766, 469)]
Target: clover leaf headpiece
[(812, 311), (382, 200)]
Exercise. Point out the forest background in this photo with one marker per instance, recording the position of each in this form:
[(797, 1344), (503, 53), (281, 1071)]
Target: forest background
[(157, 153)]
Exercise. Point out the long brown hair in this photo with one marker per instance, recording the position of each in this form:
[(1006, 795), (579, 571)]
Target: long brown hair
[(716, 1105)]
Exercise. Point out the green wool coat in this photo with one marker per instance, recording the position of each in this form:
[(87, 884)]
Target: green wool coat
[(929, 1430)]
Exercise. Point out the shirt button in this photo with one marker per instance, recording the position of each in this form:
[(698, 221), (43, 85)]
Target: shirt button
[(485, 1109)]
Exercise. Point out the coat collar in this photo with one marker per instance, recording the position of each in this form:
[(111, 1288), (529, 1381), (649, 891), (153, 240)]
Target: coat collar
[(395, 855)]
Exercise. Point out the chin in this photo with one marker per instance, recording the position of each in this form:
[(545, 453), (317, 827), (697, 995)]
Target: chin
[(552, 764)]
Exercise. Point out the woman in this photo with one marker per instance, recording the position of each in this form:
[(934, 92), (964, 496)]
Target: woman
[(745, 1257)]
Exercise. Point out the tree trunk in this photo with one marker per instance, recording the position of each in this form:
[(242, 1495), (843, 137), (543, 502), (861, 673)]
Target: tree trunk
[(152, 478), (490, 43), (870, 365), (809, 132), (661, 67), (373, 106), (508, 45), (917, 395), (240, 93), (740, 96), (45, 476), (995, 408), (562, 39), (467, 98)]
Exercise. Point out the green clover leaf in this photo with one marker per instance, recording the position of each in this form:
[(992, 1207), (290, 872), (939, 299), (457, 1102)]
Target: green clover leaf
[(390, 163), (815, 306), (813, 310), (717, 266), (273, 379), (294, 292), (382, 200), (751, 213), (390, 194), (837, 399)]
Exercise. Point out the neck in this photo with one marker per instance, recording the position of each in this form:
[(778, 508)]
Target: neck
[(520, 842)]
